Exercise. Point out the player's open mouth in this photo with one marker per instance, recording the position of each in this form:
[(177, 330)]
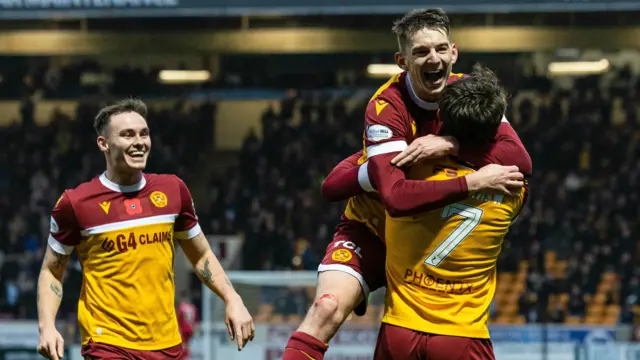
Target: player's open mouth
[(434, 77), (136, 154)]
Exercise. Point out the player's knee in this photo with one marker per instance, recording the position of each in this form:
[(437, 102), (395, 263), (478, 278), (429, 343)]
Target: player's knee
[(327, 307)]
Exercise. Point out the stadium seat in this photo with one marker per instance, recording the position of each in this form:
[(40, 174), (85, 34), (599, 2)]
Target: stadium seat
[(564, 297), (610, 320), (509, 309), (524, 265), (600, 298), (613, 310), (595, 310), (593, 320), (573, 320), (503, 320), (505, 278), (550, 259)]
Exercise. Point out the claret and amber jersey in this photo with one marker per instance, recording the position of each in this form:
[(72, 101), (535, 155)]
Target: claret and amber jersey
[(124, 238), (441, 265), (394, 117)]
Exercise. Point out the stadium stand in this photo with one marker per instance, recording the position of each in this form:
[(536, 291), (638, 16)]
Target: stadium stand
[(569, 259)]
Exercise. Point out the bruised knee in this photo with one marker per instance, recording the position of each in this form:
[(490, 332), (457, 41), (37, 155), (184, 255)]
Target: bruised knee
[(328, 308)]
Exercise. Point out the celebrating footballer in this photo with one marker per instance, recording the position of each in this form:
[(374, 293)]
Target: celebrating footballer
[(441, 265), (123, 225), (401, 123)]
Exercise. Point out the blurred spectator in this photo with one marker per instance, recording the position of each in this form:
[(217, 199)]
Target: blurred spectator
[(576, 305), (528, 306)]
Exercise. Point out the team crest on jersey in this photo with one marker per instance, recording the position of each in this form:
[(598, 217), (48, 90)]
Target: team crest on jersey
[(341, 255), (133, 206), (159, 199)]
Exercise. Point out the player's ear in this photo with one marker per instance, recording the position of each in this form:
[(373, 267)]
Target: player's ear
[(102, 143), (400, 61), (454, 53)]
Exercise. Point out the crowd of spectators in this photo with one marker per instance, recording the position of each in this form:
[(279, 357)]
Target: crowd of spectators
[(583, 203)]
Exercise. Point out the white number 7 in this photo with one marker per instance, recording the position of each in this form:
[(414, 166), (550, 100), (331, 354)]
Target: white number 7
[(472, 217)]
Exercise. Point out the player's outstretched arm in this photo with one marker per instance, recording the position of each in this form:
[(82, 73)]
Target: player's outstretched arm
[(51, 344), (209, 270), (506, 149), (343, 181)]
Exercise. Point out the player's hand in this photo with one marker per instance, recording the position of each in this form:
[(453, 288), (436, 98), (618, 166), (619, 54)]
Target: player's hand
[(505, 179), (426, 147), (51, 344), (239, 322)]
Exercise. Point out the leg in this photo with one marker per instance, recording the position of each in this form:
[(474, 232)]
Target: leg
[(396, 343), (441, 347), (343, 284), (336, 296)]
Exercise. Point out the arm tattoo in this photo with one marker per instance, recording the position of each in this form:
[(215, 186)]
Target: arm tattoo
[(60, 259), (205, 274), (56, 290)]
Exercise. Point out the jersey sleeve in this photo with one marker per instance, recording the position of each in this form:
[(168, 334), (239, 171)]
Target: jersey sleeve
[(386, 130), (403, 197), (64, 231), (186, 226), (507, 149), (344, 181)]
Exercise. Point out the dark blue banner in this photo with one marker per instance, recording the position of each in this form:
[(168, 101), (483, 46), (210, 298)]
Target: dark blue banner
[(39, 9)]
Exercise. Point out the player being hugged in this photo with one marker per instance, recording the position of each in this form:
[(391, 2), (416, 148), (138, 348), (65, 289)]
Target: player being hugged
[(400, 123), (441, 264), (123, 226)]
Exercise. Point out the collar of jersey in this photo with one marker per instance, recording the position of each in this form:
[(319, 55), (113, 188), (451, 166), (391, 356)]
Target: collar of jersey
[(421, 103), (122, 188)]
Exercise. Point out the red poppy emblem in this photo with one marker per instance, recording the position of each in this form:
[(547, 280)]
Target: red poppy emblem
[(133, 206)]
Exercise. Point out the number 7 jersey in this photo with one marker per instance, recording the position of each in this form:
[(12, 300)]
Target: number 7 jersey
[(441, 265)]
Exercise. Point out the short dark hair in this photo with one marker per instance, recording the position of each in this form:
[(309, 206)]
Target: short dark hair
[(127, 105), (416, 20), (472, 108)]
